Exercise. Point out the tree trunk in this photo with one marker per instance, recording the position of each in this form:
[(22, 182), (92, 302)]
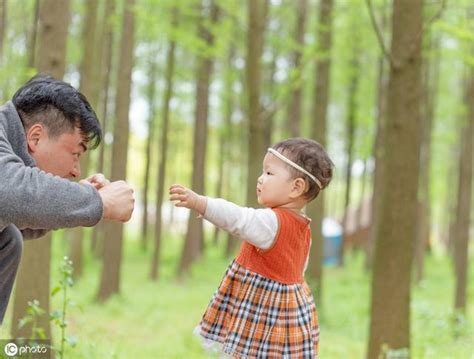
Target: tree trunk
[(110, 279), (351, 127), (377, 150), (294, 115), (149, 141), (225, 133), (33, 32), (396, 232), (3, 26), (33, 280), (163, 153), (194, 242), (257, 12), (106, 66), (463, 208), (430, 88), (88, 85), (320, 108)]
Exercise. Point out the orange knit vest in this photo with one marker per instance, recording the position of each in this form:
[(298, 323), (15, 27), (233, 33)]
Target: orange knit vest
[(284, 261)]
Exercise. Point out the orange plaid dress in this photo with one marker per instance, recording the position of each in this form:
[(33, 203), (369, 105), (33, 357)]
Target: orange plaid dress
[(263, 308)]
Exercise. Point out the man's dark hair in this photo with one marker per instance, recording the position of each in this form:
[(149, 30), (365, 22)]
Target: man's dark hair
[(59, 107), (312, 157)]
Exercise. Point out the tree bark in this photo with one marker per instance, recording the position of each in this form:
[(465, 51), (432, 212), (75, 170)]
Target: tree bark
[(257, 12), (3, 26), (350, 132), (88, 87), (396, 232), (463, 208), (33, 280), (106, 66), (294, 115), (194, 242), (149, 141), (430, 88), (322, 86), (163, 153), (110, 278)]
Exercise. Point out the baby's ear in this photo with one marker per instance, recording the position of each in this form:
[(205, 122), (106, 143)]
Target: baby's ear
[(299, 187)]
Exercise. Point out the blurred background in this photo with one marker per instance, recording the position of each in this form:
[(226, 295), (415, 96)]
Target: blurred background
[(193, 92)]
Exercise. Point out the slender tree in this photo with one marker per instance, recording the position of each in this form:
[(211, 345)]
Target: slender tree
[(88, 86), (257, 13), (163, 152), (295, 109), (110, 278), (194, 242), (430, 88), (151, 90), (377, 149), (321, 99), (3, 25), (33, 281), (464, 203), (106, 47), (396, 231), (350, 133)]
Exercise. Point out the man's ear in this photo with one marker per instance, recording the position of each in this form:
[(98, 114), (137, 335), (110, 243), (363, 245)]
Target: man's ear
[(34, 134), (299, 187)]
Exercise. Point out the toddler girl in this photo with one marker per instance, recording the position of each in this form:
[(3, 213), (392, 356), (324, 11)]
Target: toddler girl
[(263, 308)]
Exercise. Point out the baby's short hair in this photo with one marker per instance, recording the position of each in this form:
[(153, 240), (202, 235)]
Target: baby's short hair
[(312, 157)]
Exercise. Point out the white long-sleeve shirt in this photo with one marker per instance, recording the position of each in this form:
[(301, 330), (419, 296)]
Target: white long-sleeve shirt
[(256, 226)]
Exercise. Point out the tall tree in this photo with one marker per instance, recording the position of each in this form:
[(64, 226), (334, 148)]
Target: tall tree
[(194, 241), (151, 90), (163, 152), (350, 132), (430, 67), (3, 26), (106, 47), (463, 208), (396, 232), (33, 33), (110, 278), (257, 14), (377, 149), (225, 130), (295, 110), (88, 86), (320, 108), (33, 281)]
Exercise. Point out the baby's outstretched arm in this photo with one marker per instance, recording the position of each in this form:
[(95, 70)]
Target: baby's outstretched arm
[(187, 198), (256, 226)]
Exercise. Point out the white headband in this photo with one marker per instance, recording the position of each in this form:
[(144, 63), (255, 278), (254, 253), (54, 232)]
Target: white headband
[(299, 168)]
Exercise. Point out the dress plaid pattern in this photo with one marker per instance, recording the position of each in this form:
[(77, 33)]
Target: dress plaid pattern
[(252, 316)]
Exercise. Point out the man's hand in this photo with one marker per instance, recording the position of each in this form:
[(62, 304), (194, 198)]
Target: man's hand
[(98, 181), (118, 201), (187, 198)]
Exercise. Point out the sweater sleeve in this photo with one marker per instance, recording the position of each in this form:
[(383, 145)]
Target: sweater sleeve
[(33, 199), (256, 226)]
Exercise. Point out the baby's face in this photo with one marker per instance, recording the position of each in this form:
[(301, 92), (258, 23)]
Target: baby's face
[(275, 183)]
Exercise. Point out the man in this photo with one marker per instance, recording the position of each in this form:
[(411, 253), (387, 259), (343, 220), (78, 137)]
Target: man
[(44, 131)]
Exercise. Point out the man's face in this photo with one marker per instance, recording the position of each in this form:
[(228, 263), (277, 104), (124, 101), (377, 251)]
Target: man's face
[(59, 156)]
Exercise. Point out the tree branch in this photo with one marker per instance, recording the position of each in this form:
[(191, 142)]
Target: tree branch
[(385, 52)]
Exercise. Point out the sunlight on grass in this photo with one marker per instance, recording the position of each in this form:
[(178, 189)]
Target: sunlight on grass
[(156, 319)]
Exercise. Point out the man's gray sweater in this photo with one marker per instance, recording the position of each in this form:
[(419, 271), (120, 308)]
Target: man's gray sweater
[(33, 200)]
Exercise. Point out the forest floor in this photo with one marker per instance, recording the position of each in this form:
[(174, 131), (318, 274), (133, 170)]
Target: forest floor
[(156, 319)]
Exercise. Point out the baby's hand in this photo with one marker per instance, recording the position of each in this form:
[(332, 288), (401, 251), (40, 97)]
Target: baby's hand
[(98, 181), (187, 198)]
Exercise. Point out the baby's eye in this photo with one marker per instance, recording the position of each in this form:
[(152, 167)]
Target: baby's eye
[(268, 173)]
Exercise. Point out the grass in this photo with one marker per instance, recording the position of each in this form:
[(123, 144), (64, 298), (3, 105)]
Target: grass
[(156, 319)]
